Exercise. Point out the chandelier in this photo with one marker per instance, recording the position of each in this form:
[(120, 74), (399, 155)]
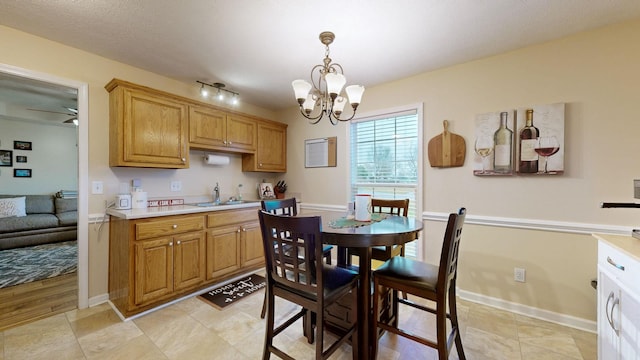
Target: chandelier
[(324, 91)]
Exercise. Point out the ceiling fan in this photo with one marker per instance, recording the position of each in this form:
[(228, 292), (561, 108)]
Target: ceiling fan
[(70, 111)]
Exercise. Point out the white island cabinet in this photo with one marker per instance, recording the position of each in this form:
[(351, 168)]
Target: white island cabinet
[(618, 297)]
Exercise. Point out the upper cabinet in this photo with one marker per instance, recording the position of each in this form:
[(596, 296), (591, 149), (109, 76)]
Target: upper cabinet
[(146, 128), (213, 129), (271, 151), (152, 128)]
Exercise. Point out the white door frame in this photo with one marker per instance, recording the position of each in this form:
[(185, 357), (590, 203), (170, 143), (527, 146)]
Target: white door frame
[(83, 170)]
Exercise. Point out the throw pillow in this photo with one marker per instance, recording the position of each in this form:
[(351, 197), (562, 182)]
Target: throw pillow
[(12, 207)]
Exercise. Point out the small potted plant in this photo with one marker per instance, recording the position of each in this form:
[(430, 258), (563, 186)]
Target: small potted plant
[(280, 189)]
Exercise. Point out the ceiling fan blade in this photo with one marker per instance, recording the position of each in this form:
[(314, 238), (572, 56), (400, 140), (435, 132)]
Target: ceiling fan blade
[(53, 112)]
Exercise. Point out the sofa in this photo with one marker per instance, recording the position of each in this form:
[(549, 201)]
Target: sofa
[(28, 220)]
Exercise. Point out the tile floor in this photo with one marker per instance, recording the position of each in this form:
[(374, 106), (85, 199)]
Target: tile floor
[(192, 329)]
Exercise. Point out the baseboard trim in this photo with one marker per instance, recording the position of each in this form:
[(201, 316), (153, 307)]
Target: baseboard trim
[(554, 317)]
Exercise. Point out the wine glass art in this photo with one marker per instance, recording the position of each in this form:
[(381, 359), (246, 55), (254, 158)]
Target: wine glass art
[(546, 146), (484, 147)]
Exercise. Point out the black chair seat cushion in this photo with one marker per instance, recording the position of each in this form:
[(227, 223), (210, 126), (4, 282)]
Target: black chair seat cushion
[(416, 274), (335, 280)]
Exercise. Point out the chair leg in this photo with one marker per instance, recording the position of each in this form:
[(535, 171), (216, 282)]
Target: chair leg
[(441, 330), (264, 305), (453, 313), (376, 314), (268, 338), (327, 257)]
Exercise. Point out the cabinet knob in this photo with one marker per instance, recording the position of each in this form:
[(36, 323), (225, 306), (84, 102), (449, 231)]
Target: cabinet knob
[(260, 165), (230, 142), (225, 142), (184, 160), (243, 229), (238, 230), (178, 242), (175, 226), (171, 243)]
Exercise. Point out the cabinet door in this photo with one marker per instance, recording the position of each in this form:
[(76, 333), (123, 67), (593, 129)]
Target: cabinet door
[(629, 326), (241, 132), (154, 131), (608, 294), (189, 263), (207, 127), (252, 249), (153, 269), (223, 251), (271, 153)]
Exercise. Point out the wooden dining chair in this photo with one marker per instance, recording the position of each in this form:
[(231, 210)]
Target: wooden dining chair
[(426, 281), (295, 272), (398, 207), (287, 207)]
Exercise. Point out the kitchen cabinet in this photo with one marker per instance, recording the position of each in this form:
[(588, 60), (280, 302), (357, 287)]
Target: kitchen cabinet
[(158, 258), (271, 149), (213, 129), (233, 242), (618, 303), (147, 128)]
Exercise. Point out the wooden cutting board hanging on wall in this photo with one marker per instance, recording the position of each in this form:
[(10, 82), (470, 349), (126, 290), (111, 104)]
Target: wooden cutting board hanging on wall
[(447, 149)]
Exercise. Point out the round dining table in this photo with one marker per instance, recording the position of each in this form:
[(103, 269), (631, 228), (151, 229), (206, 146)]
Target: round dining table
[(392, 230)]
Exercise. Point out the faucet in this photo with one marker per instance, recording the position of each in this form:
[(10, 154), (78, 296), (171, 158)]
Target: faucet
[(216, 192)]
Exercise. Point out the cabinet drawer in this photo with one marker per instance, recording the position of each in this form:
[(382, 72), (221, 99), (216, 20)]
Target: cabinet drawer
[(167, 227), (613, 261), (228, 217)]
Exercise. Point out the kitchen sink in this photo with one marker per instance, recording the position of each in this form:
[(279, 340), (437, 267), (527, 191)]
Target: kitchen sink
[(228, 202)]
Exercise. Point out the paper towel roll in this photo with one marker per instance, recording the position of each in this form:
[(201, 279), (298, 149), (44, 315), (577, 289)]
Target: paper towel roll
[(216, 160)]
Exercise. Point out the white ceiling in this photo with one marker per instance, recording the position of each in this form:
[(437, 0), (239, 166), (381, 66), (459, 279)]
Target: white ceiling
[(257, 47)]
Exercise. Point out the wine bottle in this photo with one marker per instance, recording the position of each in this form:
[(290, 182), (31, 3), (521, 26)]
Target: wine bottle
[(503, 140), (528, 137)]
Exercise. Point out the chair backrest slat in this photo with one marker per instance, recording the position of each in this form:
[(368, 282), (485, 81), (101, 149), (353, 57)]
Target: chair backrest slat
[(395, 207)]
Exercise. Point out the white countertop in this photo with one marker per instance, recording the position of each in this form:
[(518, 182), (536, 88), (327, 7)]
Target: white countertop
[(176, 210), (627, 244)]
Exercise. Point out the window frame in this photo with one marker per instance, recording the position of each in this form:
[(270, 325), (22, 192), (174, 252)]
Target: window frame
[(383, 114)]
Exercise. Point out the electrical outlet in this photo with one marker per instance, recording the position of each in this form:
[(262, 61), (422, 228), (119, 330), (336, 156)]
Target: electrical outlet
[(519, 274), (176, 185), (97, 187)]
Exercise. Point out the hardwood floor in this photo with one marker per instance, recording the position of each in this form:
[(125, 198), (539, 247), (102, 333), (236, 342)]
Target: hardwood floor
[(24, 303)]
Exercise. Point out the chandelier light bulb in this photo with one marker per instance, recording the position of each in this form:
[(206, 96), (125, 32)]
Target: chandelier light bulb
[(203, 91)]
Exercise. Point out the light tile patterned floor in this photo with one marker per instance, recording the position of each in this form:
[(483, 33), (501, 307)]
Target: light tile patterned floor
[(192, 329)]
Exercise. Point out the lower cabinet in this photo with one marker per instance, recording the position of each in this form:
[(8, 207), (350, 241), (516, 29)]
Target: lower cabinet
[(165, 265), (233, 242), (618, 305), (155, 260)]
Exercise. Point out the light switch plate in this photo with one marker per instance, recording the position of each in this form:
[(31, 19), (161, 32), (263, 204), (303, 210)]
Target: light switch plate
[(97, 187)]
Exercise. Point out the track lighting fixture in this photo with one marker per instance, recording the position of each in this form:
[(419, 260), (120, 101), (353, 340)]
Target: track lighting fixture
[(220, 94)]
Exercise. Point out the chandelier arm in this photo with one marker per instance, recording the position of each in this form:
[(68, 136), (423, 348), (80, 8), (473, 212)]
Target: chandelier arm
[(317, 118)]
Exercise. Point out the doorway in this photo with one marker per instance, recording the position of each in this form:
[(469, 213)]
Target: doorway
[(32, 78)]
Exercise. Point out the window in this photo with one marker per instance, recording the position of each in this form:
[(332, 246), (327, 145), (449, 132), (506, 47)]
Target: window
[(385, 159)]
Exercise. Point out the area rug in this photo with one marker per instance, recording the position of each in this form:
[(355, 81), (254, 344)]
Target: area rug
[(233, 292), (28, 264)]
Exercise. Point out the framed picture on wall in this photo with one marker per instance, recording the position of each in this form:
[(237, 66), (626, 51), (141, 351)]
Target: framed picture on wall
[(22, 145), (21, 159), (6, 158), (22, 173)]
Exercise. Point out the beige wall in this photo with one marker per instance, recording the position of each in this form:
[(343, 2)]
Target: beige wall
[(598, 77)]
